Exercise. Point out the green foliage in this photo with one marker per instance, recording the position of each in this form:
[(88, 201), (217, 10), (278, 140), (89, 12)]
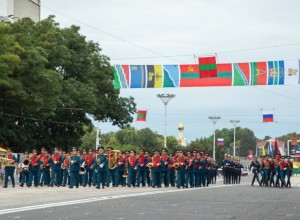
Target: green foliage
[(130, 138), (88, 140), (289, 136), (51, 78)]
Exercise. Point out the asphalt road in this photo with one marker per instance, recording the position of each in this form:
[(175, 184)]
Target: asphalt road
[(215, 202)]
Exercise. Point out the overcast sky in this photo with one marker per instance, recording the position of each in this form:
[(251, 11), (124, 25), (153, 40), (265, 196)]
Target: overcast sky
[(144, 31)]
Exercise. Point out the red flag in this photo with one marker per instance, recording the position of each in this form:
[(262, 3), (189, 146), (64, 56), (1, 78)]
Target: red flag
[(276, 149)]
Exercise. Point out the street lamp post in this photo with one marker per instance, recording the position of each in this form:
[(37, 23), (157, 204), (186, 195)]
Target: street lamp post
[(234, 123), (165, 98), (214, 120), (97, 137)]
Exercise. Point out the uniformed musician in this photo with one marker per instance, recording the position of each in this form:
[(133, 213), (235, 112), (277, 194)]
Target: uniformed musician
[(9, 170)]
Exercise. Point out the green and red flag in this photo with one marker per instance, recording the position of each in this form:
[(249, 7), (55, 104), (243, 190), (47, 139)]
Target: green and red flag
[(258, 73), (141, 115), (207, 67), (190, 71)]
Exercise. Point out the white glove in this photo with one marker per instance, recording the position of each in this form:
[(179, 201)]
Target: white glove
[(72, 161), (158, 164), (101, 165)]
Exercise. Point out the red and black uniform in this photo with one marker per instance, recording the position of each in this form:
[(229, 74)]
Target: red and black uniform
[(45, 170), (181, 171), (190, 171), (89, 165), (89, 160), (147, 170), (156, 171), (171, 171), (289, 172), (110, 172), (132, 171), (34, 171), (120, 172), (56, 162), (141, 172), (283, 168)]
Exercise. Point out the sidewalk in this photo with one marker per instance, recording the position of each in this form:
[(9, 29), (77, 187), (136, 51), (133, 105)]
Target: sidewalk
[(295, 180)]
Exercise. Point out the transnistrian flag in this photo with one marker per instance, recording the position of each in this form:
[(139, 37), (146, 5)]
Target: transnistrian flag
[(268, 116), (141, 115), (207, 67), (220, 141)]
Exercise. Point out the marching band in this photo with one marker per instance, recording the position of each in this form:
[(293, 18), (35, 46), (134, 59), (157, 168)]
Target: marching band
[(116, 168)]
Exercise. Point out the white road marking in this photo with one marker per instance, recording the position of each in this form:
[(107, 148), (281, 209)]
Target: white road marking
[(89, 200)]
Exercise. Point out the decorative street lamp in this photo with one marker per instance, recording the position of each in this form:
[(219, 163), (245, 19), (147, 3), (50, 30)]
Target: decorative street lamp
[(165, 98), (234, 123), (214, 120)]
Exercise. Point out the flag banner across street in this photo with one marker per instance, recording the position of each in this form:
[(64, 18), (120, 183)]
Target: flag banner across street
[(207, 73)]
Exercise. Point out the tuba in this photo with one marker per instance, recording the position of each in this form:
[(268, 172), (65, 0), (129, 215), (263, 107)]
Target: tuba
[(112, 160), (6, 162)]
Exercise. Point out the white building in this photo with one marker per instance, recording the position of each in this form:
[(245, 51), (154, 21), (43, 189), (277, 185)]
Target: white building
[(12, 10)]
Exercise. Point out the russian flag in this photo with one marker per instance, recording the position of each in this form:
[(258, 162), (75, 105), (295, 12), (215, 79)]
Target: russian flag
[(268, 117), (220, 141)]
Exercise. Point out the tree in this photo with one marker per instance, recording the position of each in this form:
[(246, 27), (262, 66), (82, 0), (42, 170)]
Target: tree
[(149, 140), (88, 140), (51, 79)]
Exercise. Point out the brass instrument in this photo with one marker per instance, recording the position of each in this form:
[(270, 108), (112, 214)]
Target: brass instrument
[(112, 160), (7, 162), (150, 165), (44, 161), (176, 164), (24, 165), (82, 170), (42, 165), (63, 164)]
